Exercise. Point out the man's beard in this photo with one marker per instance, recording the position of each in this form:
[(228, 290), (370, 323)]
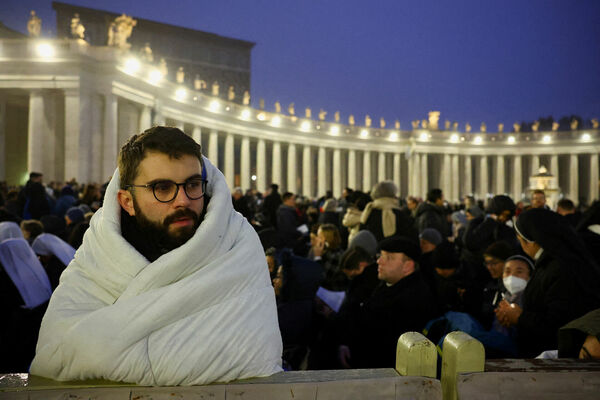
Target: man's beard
[(158, 233)]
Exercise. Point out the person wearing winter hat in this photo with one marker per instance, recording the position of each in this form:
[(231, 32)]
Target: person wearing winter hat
[(403, 302), (383, 216)]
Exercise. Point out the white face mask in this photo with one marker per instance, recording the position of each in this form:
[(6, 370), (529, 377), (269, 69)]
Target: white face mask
[(514, 284)]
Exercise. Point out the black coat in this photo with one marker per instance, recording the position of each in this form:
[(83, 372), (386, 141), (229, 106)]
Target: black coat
[(387, 314), (270, 206), (430, 215), (287, 222), (551, 299), (405, 226)]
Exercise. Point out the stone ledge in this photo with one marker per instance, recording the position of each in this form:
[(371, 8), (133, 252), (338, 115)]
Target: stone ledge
[(297, 385)]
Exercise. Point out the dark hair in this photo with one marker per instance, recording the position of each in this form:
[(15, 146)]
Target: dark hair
[(354, 256), (434, 194), (33, 226), (566, 204), (539, 191), (33, 175), (286, 196), (500, 250), (162, 139)]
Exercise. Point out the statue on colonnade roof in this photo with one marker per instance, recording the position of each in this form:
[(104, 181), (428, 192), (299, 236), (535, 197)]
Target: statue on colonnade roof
[(433, 120), (231, 93), (291, 109), (595, 123), (215, 88), (162, 67), (77, 28), (535, 126), (147, 53), (447, 125), (180, 75), (381, 123), (120, 30), (368, 121), (415, 124), (555, 126), (34, 25), (308, 112), (455, 126), (517, 127), (322, 114), (483, 127), (278, 107), (246, 98), (500, 127), (467, 127), (397, 124), (351, 120), (199, 84), (336, 116), (574, 124)]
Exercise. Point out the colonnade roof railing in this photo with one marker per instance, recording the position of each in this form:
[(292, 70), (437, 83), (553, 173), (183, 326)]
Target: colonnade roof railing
[(64, 64)]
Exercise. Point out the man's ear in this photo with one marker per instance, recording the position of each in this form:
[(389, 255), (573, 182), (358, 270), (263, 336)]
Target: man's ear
[(126, 201)]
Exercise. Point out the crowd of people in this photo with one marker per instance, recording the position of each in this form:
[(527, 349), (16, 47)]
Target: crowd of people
[(352, 274), (511, 275)]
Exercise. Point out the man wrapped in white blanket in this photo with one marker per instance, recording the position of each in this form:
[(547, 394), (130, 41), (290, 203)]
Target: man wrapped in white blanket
[(197, 308)]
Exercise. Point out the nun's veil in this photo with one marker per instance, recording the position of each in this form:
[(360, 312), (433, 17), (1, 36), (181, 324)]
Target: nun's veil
[(558, 238)]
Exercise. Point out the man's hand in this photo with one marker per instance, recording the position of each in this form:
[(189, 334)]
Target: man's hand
[(344, 356)]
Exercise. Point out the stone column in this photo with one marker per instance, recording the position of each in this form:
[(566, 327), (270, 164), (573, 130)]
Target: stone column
[(483, 177), (500, 189), (381, 176), (145, 118), (77, 135), (96, 125), (322, 172), (337, 173), (180, 125), (554, 166), (197, 136), (307, 176), (424, 175), (415, 176), (292, 165), (455, 179), (468, 176), (2, 140), (229, 166), (574, 178), (261, 165), (245, 164), (535, 165), (276, 164), (517, 180), (397, 173), (159, 118), (109, 139), (593, 178), (213, 148), (352, 169), (367, 184), (36, 129), (447, 176)]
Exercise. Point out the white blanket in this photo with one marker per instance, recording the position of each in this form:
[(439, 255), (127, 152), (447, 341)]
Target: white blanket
[(201, 313)]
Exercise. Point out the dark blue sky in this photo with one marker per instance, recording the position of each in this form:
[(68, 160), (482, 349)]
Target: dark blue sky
[(473, 60)]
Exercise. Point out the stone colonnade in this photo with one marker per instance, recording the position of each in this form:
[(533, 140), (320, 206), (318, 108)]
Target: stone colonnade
[(85, 131)]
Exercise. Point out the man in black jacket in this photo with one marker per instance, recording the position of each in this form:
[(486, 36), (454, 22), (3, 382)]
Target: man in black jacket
[(287, 221), (431, 214), (401, 303)]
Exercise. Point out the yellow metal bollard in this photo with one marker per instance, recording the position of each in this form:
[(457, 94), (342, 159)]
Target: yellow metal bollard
[(461, 353), (416, 355)]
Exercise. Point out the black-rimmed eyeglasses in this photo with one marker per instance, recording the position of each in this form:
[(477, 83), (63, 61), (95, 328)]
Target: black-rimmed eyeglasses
[(166, 191)]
